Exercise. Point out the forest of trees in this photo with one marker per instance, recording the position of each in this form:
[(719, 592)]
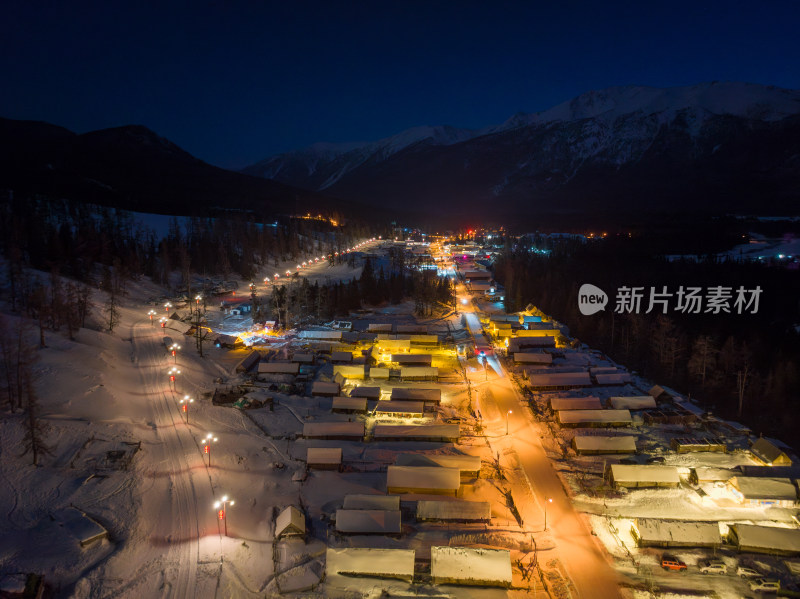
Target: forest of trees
[(743, 366)]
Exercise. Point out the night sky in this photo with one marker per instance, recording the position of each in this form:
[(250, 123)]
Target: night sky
[(234, 82)]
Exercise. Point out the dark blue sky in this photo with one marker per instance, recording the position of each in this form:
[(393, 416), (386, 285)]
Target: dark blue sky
[(234, 82)]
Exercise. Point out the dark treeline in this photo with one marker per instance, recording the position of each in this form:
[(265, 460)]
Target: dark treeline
[(302, 302), (743, 366)]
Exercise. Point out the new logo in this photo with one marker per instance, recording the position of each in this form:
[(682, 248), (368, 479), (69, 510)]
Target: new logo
[(591, 299)]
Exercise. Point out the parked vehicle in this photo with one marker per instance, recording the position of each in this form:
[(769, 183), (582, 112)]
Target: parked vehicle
[(713, 566), (670, 562), (768, 585), (746, 572), (656, 460)]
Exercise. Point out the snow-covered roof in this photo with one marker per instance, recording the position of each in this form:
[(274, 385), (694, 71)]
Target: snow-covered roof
[(576, 403), (714, 474), (341, 356), (639, 402), (357, 404), (368, 521), (421, 477), (604, 443), (412, 358), (533, 358), (412, 329), (465, 565), (645, 473), (419, 372), (768, 452), (561, 379), (415, 394), (767, 537), (278, 367), (371, 502), (399, 407), (597, 416), (453, 510), (519, 343), (617, 378), (651, 530), (303, 358), (177, 325), (80, 526), (334, 335), (320, 388), (465, 463), (290, 521), (539, 330), (382, 327), (368, 392), (353, 371), (371, 561), (416, 431), (324, 455), (420, 339), (333, 429), (756, 487)]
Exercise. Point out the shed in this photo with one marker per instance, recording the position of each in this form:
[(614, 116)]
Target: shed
[(290, 522), (658, 392), (401, 409), (441, 433), (349, 405), (651, 532), (754, 491), (228, 341), (637, 476), (371, 561), (765, 539), (416, 394), (248, 362), (477, 275), (321, 389), (350, 371), (321, 335), (527, 319), (379, 373), (418, 359), (592, 418), (375, 327), (278, 368), (689, 444), (420, 339), (394, 344), (418, 373), (334, 430), (603, 444), (575, 403), (341, 357), (367, 392), (324, 458), (711, 475), (412, 329), (177, 325), (454, 511), (471, 566), (371, 502), (433, 480), (769, 454), (517, 344), (792, 472), (639, 402), (533, 358), (468, 465), (560, 380), (303, 358), (539, 331), (374, 522), (617, 378)]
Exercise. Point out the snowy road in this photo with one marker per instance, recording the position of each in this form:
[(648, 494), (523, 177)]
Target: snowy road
[(586, 566)]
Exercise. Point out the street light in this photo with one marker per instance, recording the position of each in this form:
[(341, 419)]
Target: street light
[(507, 414), (167, 306), (221, 507), (197, 299), (546, 501), (174, 349), (185, 406), (207, 441), (163, 322), (172, 372), (151, 313)]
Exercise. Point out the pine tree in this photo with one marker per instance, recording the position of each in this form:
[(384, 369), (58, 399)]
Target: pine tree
[(111, 310)]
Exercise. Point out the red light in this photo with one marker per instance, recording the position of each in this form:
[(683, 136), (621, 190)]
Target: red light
[(172, 378), (221, 514), (206, 448), (185, 408), (173, 353), (163, 325)]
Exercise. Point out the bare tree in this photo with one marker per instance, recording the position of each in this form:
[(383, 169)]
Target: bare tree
[(33, 441), (111, 310)]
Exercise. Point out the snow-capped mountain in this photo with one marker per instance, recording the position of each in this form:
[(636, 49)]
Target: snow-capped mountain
[(712, 145)]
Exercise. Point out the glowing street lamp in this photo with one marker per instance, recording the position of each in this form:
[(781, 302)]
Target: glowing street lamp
[(174, 349), (185, 406), (288, 273), (197, 299), (277, 276), (151, 313), (173, 372), (507, 415), (207, 441), (546, 501), (163, 322), (221, 507), (167, 306)]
